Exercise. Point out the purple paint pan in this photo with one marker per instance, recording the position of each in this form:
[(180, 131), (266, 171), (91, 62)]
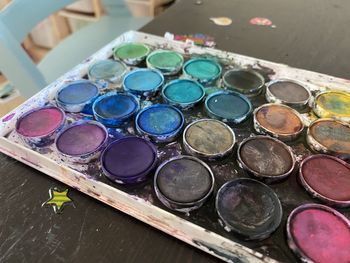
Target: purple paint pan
[(82, 141), (129, 160), (39, 127)]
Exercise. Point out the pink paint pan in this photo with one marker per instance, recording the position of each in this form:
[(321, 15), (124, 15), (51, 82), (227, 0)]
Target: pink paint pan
[(318, 233), (326, 178)]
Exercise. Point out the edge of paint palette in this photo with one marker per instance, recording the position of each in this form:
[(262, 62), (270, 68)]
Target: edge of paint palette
[(133, 205)]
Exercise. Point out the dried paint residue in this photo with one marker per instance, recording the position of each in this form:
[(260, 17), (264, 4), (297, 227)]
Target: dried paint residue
[(321, 236)]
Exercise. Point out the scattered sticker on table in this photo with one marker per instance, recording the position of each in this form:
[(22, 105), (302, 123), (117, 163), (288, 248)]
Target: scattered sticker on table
[(261, 21), (58, 199), (221, 21)]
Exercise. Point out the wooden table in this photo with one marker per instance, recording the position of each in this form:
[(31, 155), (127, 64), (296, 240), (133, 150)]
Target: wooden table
[(312, 34)]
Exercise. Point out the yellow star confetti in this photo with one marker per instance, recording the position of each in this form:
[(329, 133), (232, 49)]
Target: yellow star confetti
[(58, 199)]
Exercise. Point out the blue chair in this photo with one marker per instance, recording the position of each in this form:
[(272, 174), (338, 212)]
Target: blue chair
[(16, 21)]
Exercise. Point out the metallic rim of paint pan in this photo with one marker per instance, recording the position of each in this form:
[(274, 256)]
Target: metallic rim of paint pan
[(131, 61), (204, 81), (179, 206), (88, 156), (265, 234), (146, 93), (264, 130), (189, 149), (42, 140), (233, 120), (165, 70), (290, 240), (107, 83), (182, 105), (167, 137), (138, 178), (78, 107), (270, 97), (113, 122), (251, 92), (264, 177), (320, 112), (313, 192), (316, 145)]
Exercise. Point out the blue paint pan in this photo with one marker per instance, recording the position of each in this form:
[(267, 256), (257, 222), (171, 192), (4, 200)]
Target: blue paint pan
[(183, 93), (228, 106), (77, 96), (205, 71), (144, 82), (113, 109), (160, 122)]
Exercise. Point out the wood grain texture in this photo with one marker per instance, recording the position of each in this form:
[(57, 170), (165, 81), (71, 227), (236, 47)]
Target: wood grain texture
[(310, 34)]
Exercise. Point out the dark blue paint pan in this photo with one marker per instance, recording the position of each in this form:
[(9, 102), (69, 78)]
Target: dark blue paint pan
[(77, 96), (249, 208), (143, 82), (114, 109), (129, 160), (160, 122), (228, 106)]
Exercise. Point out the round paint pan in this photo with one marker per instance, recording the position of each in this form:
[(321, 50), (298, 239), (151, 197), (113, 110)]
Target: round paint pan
[(279, 121), (249, 208), (327, 178), (132, 53), (318, 233), (114, 109), (266, 158), (107, 72), (77, 96), (333, 104), (228, 106), (166, 61), (183, 93), (208, 139), (205, 71), (82, 141), (183, 183), (128, 160), (160, 122), (143, 82), (288, 92), (329, 136), (245, 81), (39, 127)]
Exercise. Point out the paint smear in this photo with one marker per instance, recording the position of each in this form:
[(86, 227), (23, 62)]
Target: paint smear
[(8, 117), (261, 21), (221, 21)]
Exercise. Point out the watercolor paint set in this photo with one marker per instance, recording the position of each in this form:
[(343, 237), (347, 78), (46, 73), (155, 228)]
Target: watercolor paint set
[(242, 158)]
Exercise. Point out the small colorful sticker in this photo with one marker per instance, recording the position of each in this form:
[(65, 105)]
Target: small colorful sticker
[(221, 21), (8, 117), (261, 21), (58, 199)]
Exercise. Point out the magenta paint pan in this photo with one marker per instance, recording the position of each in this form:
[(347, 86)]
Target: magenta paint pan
[(82, 141), (249, 208), (129, 160), (266, 158), (318, 233), (39, 127), (183, 183), (326, 178)]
